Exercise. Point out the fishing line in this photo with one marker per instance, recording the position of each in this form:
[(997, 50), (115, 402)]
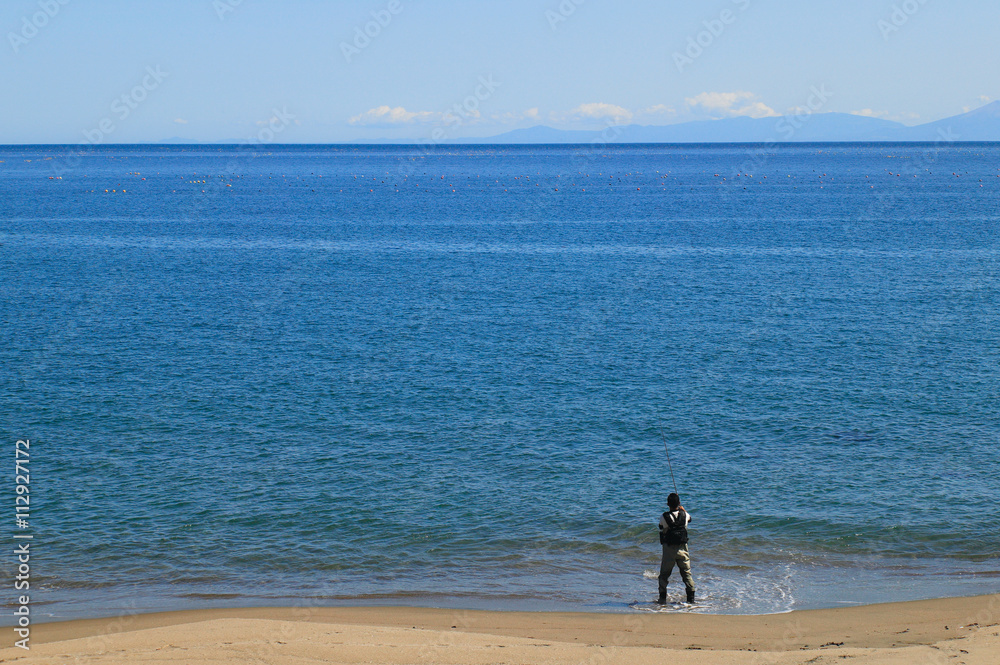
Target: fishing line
[(667, 450)]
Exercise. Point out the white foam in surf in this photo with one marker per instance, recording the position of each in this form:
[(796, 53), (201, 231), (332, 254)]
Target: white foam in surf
[(756, 592)]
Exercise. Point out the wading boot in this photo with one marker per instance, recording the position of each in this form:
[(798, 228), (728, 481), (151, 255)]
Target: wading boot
[(690, 596), (662, 599)]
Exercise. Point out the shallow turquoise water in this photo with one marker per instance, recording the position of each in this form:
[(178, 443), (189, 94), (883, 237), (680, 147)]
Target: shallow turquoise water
[(327, 375)]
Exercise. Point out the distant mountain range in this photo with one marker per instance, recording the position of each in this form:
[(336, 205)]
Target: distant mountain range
[(982, 124)]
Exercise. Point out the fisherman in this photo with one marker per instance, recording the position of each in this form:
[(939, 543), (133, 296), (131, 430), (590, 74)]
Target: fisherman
[(674, 538)]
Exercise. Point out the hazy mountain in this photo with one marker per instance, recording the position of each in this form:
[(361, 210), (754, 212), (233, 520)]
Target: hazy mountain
[(982, 124), (539, 134)]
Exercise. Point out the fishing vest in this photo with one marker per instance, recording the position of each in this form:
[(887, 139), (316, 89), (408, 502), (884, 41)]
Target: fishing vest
[(676, 532)]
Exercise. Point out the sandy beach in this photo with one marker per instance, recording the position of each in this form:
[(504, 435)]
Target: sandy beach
[(951, 630)]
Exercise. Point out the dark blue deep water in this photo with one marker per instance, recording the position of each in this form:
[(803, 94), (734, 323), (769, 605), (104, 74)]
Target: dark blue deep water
[(328, 375)]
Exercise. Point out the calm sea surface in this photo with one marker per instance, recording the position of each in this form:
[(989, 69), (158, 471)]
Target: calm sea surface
[(332, 375)]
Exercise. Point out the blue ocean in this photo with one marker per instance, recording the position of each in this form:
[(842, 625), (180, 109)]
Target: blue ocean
[(438, 375)]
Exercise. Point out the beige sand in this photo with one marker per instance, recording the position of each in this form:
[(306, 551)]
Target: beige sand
[(951, 630)]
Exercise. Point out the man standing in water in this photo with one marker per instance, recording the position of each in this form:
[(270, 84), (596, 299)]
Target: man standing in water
[(674, 538)]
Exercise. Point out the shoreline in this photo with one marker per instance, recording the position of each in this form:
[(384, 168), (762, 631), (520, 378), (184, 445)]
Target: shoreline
[(968, 627)]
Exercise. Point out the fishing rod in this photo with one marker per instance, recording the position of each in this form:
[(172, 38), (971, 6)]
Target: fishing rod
[(667, 450)]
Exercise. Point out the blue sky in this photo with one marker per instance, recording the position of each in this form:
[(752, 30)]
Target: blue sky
[(298, 71)]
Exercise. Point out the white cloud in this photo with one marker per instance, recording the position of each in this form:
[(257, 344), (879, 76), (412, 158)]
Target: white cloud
[(729, 105), (600, 111), (658, 110), (385, 115), (180, 121), (610, 114), (982, 99), (868, 113), (886, 115), (511, 117)]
